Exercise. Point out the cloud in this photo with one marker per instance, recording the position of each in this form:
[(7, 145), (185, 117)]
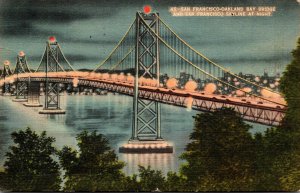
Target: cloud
[(274, 58), (81, 58), (24, 21), (17, 17), (90, 40), (70, 57)]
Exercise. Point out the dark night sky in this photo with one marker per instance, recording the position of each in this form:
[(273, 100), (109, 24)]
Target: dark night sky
[(240, 43)]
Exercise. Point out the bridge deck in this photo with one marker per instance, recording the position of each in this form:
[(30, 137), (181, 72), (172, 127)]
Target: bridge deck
[(250, 108)]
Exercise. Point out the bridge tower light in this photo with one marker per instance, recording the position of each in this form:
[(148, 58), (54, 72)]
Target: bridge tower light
[(52, 40), (147, 9)]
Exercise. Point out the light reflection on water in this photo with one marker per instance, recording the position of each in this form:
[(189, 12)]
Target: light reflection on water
[(108, 114), (163, 162)]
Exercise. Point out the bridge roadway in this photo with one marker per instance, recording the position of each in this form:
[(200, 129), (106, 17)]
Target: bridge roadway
[(251, 109)]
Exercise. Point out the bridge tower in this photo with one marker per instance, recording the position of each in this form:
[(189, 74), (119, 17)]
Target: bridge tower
[(50, 64), (21, 86), (146, 127), (6, 72), (146, 114)]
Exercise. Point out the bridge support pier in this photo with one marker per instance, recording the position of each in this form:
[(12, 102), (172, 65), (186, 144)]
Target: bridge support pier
[(33, 99), (52, 102), (19, 100), (139, 146), (146, 127), (6, 89), (21, 92)]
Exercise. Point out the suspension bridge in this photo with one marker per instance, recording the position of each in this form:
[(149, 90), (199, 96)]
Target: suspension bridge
[(137, 66)]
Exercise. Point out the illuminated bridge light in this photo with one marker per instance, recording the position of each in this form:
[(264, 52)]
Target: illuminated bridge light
[(147, 9), (172, 83), (105, 76), (21, 54), (52, 39), (114, 77), (121, 77), (6, 62), (210, 88), (191, 85)]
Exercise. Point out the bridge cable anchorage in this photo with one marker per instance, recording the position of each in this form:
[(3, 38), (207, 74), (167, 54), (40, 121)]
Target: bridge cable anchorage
[(225, 70), (195, 66), (115, 48)]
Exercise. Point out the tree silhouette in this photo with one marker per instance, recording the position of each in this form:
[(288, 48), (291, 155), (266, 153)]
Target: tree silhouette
[(30, 165), (220, 155), (289, 85), (288, 160), (95, 167)]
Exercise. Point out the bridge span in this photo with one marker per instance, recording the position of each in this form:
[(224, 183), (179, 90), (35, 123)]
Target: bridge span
[(252, 109)]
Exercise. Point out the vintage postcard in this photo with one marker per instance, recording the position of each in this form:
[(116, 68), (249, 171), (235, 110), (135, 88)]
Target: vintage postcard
[(139, 95)]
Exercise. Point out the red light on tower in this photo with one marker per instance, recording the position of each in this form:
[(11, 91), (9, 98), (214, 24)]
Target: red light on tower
[(21, 54), (6, 62), (147, 9), (52, 39)]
